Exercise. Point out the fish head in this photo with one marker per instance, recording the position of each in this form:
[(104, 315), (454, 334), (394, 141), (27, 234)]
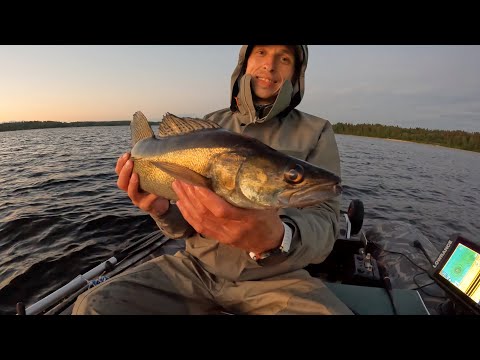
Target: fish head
[(282, 181)]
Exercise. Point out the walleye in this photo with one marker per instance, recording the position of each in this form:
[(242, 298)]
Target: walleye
[(242, 170)]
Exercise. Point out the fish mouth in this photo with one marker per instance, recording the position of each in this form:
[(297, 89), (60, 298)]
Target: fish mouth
[(309, 196)]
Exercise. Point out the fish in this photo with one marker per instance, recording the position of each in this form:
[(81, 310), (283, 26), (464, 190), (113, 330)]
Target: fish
[(242, 170)]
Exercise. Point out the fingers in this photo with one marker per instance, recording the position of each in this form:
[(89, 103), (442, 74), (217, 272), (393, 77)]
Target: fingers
[(150, 203), (138, 198), (195, 211), (121, 162), (206, 225), (191, 209), (203, 201), (124, 175), (218, 206), (188, 192), (129, 182), (159, 206), (188, 216)]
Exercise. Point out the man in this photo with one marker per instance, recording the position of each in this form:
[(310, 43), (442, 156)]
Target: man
[(243, 261)]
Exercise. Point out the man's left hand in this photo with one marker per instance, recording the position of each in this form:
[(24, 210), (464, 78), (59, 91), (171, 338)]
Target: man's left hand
[(254, 230)]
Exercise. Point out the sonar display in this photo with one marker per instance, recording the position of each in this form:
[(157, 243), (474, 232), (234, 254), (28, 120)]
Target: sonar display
[(463, 270)]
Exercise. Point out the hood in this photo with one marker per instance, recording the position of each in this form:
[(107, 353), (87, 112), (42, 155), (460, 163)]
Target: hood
[(289, 95)]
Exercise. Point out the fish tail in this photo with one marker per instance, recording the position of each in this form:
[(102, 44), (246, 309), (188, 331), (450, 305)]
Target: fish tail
[(140, 128)]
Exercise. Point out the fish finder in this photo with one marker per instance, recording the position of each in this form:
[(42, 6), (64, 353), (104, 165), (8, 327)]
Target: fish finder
[(457, 271)]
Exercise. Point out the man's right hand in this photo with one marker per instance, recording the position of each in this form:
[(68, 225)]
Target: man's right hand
[(128, 181)]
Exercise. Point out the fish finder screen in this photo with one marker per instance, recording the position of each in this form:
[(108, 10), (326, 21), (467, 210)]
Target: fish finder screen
[(462, 269)]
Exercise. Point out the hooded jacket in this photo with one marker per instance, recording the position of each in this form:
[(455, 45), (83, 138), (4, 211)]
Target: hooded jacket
[(292, 132)]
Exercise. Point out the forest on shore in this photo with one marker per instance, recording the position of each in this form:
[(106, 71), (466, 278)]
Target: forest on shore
[(449, 138), (28, 125), (457, 139)]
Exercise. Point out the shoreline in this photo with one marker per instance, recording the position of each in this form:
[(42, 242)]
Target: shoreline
[(397, 140), (412, 142)]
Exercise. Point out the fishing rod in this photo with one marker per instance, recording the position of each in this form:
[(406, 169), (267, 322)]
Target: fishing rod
[(60, 293), (86, 280)]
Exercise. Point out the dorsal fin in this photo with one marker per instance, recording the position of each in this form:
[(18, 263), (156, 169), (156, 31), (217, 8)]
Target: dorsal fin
[(140, 128), (173, 125)]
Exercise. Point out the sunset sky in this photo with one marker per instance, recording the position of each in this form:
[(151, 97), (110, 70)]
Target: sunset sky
[(435, 87)]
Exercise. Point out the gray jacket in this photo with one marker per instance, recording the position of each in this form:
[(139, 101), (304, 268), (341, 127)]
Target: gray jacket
[(290, 131)]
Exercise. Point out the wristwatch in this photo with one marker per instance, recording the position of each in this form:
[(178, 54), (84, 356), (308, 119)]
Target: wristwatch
[(277, 255)]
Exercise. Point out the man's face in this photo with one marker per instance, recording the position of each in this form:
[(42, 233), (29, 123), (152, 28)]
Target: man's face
[(270, 66)]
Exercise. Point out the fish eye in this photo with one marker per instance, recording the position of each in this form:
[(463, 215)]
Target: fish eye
[(294, 175)]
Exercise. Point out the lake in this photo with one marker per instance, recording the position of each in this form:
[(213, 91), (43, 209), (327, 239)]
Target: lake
[(61, 212)]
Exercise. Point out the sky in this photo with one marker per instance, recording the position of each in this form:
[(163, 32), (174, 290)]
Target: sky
[(433, 87)]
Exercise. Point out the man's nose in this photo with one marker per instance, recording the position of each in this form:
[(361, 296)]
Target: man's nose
[(269, 64)]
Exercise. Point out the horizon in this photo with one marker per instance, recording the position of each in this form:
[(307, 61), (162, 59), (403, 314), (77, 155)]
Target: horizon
[(435, 87), (157, 121)]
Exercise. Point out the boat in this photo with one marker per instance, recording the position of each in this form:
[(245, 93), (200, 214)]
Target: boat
[(385, 269)]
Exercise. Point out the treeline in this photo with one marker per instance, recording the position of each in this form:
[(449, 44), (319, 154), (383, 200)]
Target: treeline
[(449, 138), (27, 125)]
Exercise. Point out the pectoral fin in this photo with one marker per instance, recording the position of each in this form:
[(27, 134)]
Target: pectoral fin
[(184, 174)]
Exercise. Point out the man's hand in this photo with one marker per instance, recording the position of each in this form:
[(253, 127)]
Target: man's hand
[(210, 215), (151, 203)]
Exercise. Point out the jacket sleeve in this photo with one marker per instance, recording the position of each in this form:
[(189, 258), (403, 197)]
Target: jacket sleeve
[(316, 228), (173, 224)]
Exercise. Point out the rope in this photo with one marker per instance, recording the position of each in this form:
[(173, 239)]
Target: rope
[(95, 282)]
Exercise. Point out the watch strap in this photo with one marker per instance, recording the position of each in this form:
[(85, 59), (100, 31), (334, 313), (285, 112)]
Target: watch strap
[(284, 247)]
